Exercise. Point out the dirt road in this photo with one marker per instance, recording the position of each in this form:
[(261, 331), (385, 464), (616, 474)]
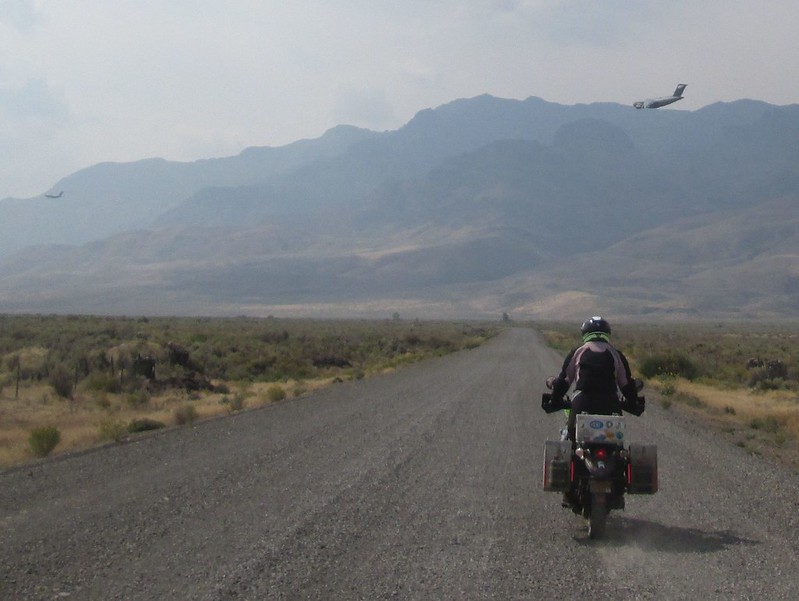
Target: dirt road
[(424, 484)]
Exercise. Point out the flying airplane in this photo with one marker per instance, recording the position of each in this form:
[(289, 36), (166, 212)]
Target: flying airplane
[(654, 103), (59, 195)]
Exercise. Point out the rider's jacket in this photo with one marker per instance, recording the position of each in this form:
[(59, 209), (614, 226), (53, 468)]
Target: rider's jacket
[(597, 368)]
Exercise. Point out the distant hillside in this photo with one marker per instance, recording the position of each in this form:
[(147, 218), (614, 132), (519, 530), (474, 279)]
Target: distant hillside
[(475, 208), (115, 197), (742, 263)]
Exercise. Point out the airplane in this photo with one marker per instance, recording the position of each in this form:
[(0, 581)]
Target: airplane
[(654, 103), (59, 195)]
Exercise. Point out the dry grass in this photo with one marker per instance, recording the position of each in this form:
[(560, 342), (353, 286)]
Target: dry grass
[(121, 374), (86, 420), (745, 405), (766, 423)]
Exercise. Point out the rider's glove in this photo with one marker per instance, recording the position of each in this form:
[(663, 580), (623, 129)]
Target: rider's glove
[(550, 403), (630, 393), (635, 406)]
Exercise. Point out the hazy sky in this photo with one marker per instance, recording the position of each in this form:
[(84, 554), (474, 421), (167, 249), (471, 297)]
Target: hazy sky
[(85, 81)]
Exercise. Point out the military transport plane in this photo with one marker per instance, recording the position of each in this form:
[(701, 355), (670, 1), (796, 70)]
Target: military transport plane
[(654, 103)]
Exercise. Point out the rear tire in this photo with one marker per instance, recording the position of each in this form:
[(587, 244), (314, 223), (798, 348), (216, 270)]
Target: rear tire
[(598, 517)]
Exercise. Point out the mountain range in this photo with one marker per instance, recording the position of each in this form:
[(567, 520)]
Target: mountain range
[(479, 207)]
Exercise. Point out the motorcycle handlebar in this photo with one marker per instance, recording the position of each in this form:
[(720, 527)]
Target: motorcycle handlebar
[(636, 408), (551, 405)]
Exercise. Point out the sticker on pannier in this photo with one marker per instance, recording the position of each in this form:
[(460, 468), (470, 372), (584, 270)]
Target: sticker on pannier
[(607, 429)]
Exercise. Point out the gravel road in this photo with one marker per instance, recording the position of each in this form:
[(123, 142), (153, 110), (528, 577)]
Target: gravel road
[(423, 484)]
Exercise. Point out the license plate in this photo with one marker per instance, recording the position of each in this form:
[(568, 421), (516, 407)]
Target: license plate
[(600, 486)]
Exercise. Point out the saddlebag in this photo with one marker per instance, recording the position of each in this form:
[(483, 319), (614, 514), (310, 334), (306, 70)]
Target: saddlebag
[(642, 469), (557, 465)]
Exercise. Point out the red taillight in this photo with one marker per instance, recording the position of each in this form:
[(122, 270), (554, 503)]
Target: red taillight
[(601, 454)]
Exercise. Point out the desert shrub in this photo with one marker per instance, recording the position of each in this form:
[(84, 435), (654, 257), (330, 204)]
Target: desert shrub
[(144, 424), (292, 367), (234, 403), (558, 338), (260, 366), (102, 382), (275, 393), (132, 384), (62, 381), (412, 339), (43, 440), (689, 399), (93, 356), (139, 398), (440, 345), (185, 414), (763, 378), (769, 423), (330, 361), (672, 363), (774, 384), (112, 429), (668, 386)]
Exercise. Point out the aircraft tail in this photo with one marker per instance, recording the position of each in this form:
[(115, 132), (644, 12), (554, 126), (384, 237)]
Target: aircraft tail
[(680, 88)]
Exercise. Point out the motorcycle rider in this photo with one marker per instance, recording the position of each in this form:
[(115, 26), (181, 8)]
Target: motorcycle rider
[(598, 371)]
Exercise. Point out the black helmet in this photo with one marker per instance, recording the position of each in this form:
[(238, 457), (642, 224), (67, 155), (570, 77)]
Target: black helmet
[(595, 325)]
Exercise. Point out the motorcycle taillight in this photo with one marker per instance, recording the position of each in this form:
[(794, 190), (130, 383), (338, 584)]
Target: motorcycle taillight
[(601, 454)]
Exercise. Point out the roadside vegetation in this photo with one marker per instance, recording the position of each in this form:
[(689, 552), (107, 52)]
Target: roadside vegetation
[(72, 382), (743, 378)]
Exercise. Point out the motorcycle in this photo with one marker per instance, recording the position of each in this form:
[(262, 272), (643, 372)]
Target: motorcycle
[(598, 467)]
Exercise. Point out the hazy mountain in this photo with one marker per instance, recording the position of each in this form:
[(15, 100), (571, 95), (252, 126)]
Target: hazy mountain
[(114, 197), (477, 207)]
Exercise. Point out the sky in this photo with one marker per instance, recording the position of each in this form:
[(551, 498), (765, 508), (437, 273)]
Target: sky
[(88, 81)]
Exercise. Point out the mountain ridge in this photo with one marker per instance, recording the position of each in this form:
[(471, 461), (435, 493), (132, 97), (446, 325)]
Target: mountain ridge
[(479, 207)]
